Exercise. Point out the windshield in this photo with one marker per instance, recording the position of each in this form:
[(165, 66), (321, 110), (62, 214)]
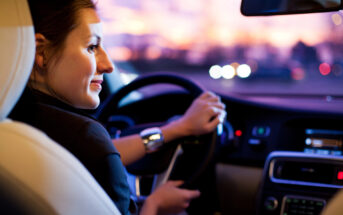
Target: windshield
[(210, 42)]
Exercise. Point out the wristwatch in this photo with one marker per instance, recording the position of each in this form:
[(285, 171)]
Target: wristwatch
[(152, 139)]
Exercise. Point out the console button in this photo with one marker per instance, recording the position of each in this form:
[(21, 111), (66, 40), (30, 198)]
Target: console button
[(271, 203), (261, 131), (302, 205)]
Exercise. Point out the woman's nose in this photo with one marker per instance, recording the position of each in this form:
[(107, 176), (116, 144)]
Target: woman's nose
[(104, 63)]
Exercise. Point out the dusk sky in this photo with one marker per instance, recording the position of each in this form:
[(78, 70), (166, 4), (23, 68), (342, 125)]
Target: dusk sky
[(188, 23), (197, 26)]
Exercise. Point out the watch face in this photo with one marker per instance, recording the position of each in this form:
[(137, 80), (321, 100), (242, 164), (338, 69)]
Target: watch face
[(152, 139)]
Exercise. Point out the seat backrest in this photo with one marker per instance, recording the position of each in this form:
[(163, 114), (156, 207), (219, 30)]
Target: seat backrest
[(37, 176), (335, 206)]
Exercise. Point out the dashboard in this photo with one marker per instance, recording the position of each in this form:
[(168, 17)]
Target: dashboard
[(260, 129), (257, 138), (291, 156)]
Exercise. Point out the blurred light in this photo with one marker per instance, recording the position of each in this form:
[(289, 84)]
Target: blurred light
[(228, 72), (340, 175), (180, 36), (243, 71), (128, 77), (298, 74), (235, 65), (216, 72), (188, 6), (308, 141), (153, 53), (120, 53), (137, 26), (336, 19), (238, 133), (324, 69), (281, 37), (329, 98)]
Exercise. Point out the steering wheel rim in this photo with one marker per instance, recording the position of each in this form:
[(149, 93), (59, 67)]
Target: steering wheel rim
[(105, 110), (112, 102)]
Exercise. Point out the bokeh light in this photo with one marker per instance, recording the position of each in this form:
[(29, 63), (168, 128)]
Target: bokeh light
[(235, 65), (298, 74), (228, 72), (324, 69), (153, 52), (216, 72), (336, 19), (243, 71), (120, 53), (127, 77), (238, 133)]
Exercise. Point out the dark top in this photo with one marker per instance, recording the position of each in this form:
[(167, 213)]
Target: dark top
[(83, 136)]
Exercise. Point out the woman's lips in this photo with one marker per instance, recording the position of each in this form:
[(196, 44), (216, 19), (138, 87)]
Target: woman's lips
[(96, 84), (96, 81)]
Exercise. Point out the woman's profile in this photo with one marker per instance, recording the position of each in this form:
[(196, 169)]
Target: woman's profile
[(67, 78)]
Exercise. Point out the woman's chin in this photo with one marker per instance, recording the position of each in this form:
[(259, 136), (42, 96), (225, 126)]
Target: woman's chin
[(94, 104), (91, 102)]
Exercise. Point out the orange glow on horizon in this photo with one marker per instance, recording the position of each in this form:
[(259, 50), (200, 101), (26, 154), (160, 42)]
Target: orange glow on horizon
[(183, 25), (120, 53)]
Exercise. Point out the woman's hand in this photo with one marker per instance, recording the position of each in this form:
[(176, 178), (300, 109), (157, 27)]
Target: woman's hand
[(169, 199), (204, 114)]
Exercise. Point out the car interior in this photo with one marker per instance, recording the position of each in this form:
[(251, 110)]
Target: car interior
[(274, 154)]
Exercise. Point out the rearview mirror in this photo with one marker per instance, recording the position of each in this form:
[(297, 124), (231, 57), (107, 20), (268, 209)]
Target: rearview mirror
[(278, 7)]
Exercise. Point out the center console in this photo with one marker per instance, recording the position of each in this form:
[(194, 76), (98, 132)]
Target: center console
[(299, 182)]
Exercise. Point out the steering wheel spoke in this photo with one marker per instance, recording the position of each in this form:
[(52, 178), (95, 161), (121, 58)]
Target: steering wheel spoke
[(166, 163)]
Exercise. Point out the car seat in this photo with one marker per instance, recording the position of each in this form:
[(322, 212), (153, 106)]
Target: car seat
[(335, 205), (37, 176)]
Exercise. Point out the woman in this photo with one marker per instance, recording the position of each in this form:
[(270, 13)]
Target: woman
[(66, 78)]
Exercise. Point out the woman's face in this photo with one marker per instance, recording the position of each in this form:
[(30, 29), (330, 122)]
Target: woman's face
[(77, 75)]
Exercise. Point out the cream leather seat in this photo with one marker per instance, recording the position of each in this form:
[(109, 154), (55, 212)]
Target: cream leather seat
[(37, 176), (335, 206)]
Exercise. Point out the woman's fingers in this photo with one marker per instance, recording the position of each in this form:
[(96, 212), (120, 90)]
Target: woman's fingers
[(217, 105), (176, 183), (204, 114), (210, 96), (212, 124), (191, 194)]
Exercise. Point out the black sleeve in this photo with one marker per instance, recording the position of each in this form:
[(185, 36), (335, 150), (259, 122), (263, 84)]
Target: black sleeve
[(110, 174), (107, 167), (94, 141)]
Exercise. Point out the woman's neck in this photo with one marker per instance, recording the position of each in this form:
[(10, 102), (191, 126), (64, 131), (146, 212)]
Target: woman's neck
[(40, 86), (43, 87)]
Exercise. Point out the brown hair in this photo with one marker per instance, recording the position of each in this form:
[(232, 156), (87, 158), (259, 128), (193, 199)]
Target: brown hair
[(55, 19)]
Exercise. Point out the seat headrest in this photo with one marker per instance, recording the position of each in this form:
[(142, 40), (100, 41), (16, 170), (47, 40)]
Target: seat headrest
[(17, 53)]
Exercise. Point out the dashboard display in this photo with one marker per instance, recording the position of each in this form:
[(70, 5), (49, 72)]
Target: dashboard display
[(322, 141)]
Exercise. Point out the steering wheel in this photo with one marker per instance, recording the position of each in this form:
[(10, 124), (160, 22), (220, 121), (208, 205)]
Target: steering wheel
[(162, 161)]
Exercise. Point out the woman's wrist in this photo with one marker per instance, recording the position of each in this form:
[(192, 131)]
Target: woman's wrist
[(174, 130), (154, 138), (150, 206)]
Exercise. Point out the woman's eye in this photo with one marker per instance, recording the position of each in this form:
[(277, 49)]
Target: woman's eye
[(92, 48)]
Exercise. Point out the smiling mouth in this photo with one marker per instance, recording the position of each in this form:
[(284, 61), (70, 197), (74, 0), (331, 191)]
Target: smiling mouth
[(96, 85), (96, 81)]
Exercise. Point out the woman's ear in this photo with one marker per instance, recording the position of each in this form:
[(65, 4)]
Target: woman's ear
[(41, 45)]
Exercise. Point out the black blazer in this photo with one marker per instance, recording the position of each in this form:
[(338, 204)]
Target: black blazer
[(83, 136)]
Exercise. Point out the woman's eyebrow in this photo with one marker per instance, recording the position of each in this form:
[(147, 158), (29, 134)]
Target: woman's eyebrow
[(98, 38)]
